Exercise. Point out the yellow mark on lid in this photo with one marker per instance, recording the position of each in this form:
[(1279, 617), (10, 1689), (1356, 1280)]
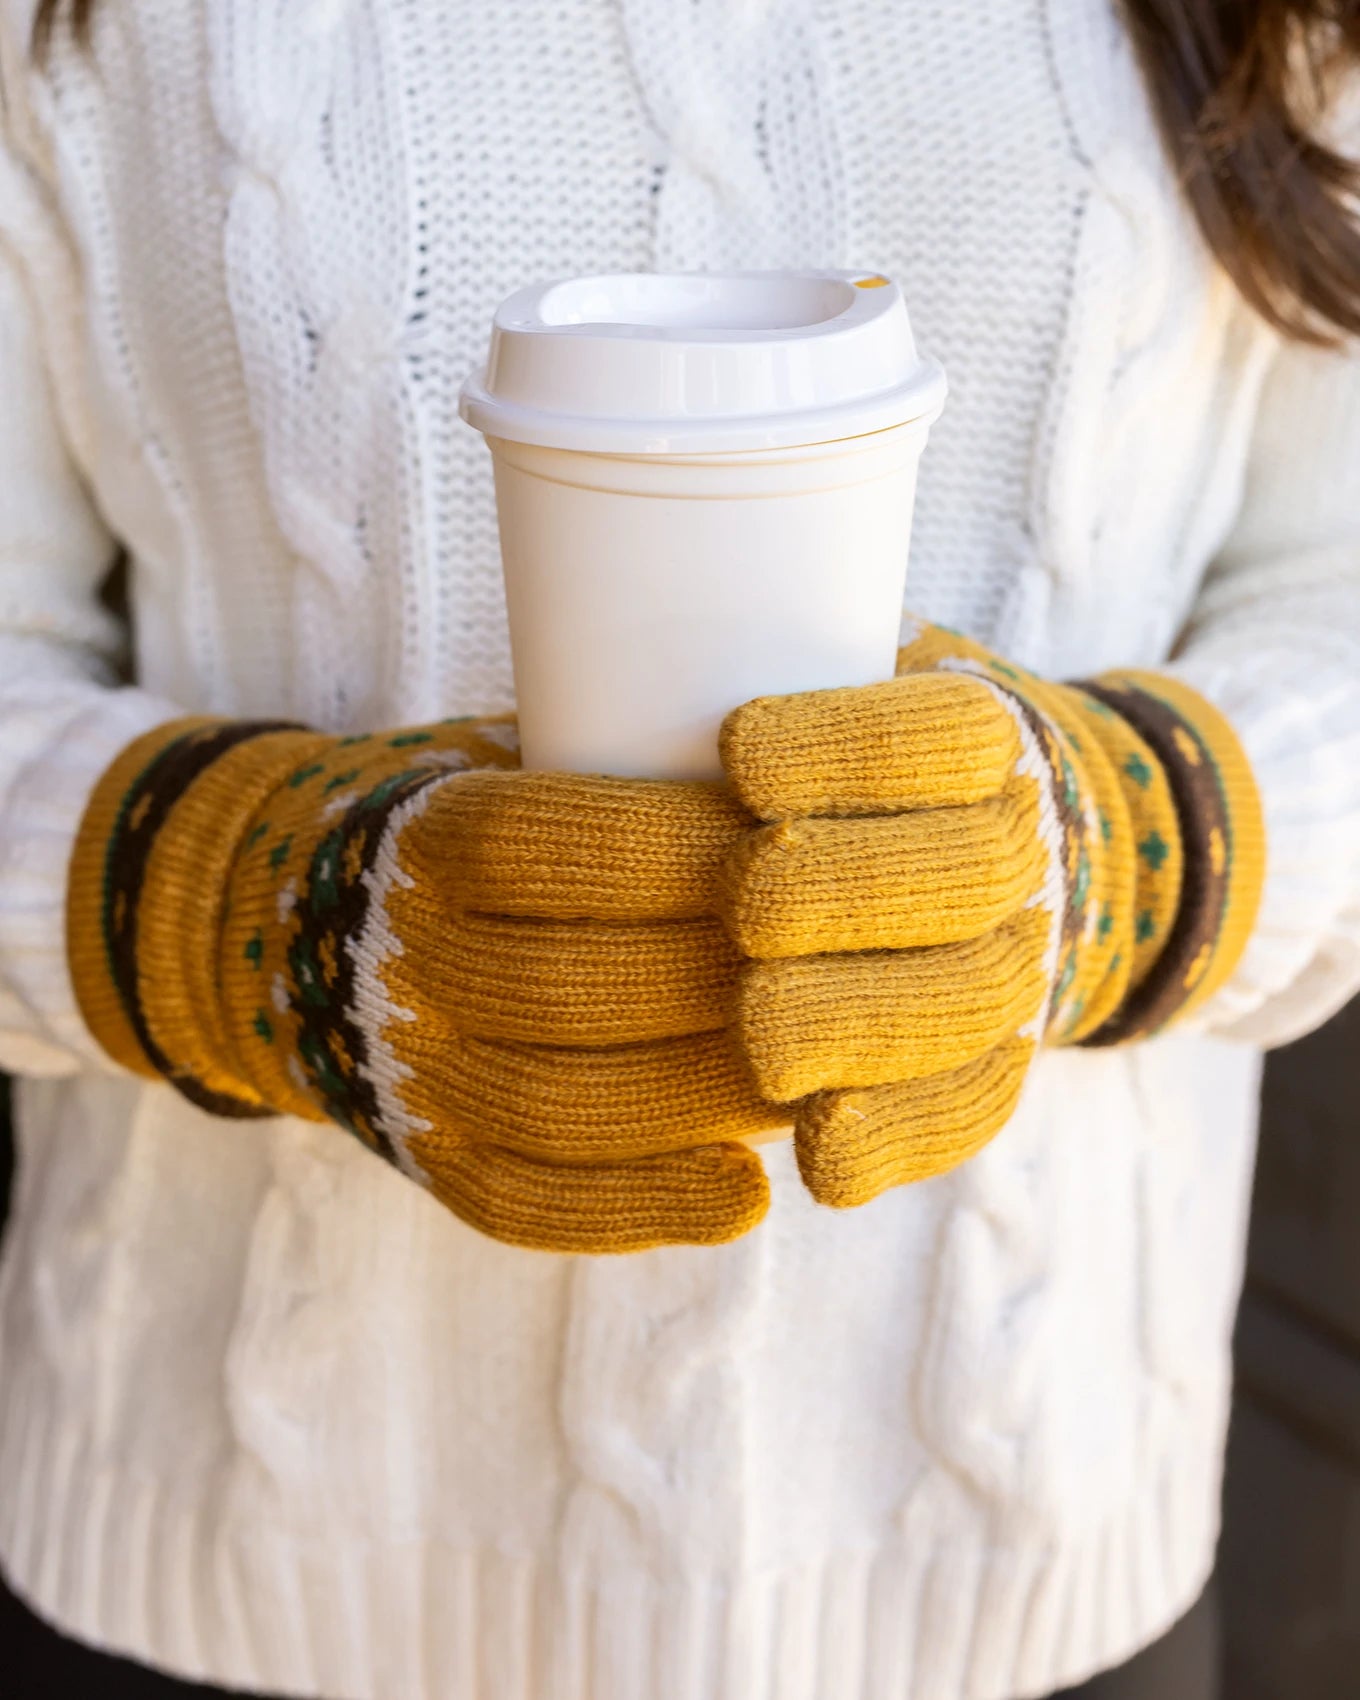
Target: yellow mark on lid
[(874, 282)]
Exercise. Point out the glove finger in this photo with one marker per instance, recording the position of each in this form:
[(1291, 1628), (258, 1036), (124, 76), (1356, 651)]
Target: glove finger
[(585, 983), (854, 1145), (702, 1197), (562, 845), (922, 741), (894, 882), (814, 1023), (606, 1106)]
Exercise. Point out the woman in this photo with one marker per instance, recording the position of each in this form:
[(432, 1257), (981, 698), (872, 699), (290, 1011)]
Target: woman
[(275, 1415)]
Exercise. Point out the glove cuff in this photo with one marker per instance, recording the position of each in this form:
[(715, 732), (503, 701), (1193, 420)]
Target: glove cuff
[(1096, 962), (166, 939), (144, 896), (1222, 834)]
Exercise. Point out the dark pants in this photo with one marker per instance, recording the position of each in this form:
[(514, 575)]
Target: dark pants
[(39, 1664)]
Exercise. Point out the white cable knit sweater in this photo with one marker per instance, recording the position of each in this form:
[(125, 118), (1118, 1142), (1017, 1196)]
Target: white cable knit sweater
[(268, 1415)]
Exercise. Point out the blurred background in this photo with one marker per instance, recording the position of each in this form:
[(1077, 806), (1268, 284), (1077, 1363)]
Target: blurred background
[(1290, 1562)]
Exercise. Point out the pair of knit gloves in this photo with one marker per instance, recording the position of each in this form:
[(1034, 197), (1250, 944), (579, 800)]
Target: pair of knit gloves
[(564, 1005)]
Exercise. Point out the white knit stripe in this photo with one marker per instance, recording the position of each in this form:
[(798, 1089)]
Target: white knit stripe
[(374, 1010), (375, 945), (1034, 764), (504, 734)]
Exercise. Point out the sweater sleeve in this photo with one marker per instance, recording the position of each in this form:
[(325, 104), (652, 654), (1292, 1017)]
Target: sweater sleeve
[(1274, 642), (62, 720)]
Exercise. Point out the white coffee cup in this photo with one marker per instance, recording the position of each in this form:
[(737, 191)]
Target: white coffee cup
[(705, 487)]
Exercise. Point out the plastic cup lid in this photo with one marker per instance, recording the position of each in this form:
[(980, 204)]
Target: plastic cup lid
[(699, 363)]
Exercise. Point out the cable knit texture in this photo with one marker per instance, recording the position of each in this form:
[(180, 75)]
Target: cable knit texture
[(268, 1415)]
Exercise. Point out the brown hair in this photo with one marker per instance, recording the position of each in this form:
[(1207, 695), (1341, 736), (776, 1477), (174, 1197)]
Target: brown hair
[(78, 13), (1239, 87)]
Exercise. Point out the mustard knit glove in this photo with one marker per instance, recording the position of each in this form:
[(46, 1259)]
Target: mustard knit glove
[(512, 986), (960, 865)]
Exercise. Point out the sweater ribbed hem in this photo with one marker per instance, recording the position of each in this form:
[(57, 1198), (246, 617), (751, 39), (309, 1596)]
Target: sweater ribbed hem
[(127, 1566)]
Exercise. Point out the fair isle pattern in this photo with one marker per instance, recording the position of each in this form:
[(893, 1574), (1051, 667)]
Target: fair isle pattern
[(1222, 830), (323, 985), (343, 1041), (1158, 849), (1103, 886), (226, 371), (1091, 904), (146, 809), (299, 898), (371, 946), (1067, 882), (924, 644), (292, 825), (1055, 830), (124, 820), (1160, 911), (1156, 812)]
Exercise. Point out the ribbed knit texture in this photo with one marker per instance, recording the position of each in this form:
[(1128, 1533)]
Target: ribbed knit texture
[(261, 916), (908, 886), (935, 824), (1223, 847), (949, 876), (267, 1414), (1166, 845)]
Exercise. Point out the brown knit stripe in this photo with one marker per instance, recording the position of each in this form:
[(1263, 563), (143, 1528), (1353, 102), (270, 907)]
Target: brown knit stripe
[(1245, 847), (268, 881), (332, 906), (143, 812), (1223, 837), (180, 917), (95, 910), (87, 951)]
